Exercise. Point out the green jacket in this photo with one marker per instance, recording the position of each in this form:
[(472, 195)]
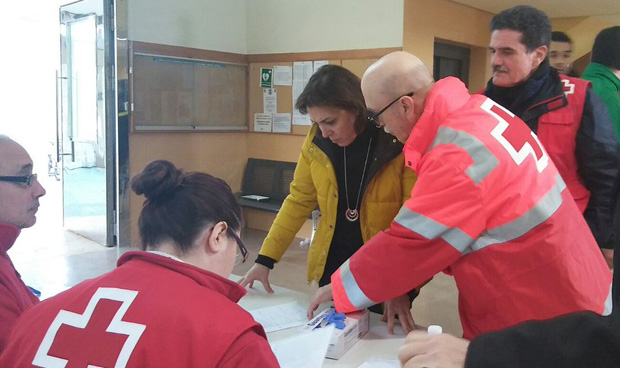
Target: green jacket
[(314, 183), (607, 85)]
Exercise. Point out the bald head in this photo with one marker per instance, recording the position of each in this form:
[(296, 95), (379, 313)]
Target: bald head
[(397, 74)]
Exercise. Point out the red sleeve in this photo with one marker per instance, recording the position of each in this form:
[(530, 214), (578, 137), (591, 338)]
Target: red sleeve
[(9, 313), (432, 230), (250, 349)]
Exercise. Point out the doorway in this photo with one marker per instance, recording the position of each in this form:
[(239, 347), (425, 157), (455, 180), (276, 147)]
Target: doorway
[(87, 119), (451, 60)]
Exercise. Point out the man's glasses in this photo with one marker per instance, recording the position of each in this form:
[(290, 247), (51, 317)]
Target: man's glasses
[(374, 118), (26, 181), (242, 255)]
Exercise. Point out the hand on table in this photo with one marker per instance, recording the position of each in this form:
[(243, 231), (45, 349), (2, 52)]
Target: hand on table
[(438, 351), (258, 272), (401, 307)]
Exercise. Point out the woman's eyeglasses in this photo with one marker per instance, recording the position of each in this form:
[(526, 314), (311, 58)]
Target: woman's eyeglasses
[(242, 255)]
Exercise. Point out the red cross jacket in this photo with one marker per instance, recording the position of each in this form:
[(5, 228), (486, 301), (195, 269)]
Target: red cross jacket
[(15, 297), (151, 311), (490, 208)]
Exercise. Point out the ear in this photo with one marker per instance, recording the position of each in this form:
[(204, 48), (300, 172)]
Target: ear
[(540, 53), (214, 241), (409, 107)]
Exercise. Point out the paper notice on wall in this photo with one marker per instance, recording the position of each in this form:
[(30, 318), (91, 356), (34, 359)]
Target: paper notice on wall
[(282, 75), (299, 119), (262, 122), (270, 100), (282, 123), (298, 88), (302, 70), (319, 63)]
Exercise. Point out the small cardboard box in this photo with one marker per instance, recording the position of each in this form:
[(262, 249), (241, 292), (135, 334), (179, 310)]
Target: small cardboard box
[(356, 326)]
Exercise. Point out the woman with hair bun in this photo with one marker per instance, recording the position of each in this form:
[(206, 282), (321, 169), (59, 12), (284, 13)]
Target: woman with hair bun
[(170, 305)]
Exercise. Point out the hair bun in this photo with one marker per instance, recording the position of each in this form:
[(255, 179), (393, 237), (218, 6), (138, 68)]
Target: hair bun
[(159, 178)]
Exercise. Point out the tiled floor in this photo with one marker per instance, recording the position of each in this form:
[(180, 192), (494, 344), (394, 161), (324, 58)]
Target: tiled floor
[(51, 260)]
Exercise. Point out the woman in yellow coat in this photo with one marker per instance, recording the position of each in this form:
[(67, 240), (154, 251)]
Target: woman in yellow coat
[(353, 171)]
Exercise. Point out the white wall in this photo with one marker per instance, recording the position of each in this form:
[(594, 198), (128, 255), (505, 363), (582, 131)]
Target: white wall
[(268, 26), (218, 25), (278, 26)]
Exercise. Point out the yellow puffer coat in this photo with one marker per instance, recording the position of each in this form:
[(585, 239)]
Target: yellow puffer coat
[(315, 183)]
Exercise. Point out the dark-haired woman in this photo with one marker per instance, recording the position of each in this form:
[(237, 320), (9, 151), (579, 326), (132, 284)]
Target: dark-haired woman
[(353, 171), (168, 306)]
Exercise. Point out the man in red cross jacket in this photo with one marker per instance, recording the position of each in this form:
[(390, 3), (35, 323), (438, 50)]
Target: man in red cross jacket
[(489, 208), (19, 201)]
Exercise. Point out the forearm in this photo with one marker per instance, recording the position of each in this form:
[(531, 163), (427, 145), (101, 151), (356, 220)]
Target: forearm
[(375, 273)]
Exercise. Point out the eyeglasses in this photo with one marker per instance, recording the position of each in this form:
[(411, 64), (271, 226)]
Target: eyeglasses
[(243, 251), (374, 118), (25, 181)]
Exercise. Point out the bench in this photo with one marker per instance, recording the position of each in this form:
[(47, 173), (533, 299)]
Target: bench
[(265, 178), (271, 179)]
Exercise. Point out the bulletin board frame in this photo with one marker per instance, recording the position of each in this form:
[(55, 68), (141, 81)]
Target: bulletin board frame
[(183, 89)]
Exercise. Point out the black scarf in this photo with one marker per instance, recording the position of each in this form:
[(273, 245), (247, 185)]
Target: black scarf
[(520, 97)]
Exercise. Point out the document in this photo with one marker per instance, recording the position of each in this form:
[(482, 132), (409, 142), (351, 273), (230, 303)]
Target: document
[(270, 100), (299, 119), (302, 70), (282, 123), (377, 362), (262, 122), (306, 350), (280, 317), (319, 63), (282, 75), (298, 88)]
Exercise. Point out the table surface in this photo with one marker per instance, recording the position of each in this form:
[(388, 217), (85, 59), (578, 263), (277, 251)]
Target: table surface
[(377, 342)]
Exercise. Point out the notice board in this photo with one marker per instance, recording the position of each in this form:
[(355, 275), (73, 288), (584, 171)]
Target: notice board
[(175, 93)]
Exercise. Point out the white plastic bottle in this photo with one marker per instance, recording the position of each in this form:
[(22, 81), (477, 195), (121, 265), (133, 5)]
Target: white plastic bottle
[(434, 330)]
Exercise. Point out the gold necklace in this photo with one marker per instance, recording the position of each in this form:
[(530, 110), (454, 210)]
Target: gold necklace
[(353, 214)]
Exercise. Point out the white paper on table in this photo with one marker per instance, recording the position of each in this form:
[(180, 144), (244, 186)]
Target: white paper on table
[(270, 100), (377, 362), (302, 70), (282, 75), (282, 123), (262, 122), (280, 317), (306, 350), (319, 63)]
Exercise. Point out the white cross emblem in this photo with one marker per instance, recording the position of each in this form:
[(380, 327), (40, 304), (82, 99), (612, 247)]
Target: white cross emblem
[(117, 325), (568, 87)]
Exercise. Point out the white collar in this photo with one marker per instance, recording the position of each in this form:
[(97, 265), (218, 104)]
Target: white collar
[(167, 255)]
